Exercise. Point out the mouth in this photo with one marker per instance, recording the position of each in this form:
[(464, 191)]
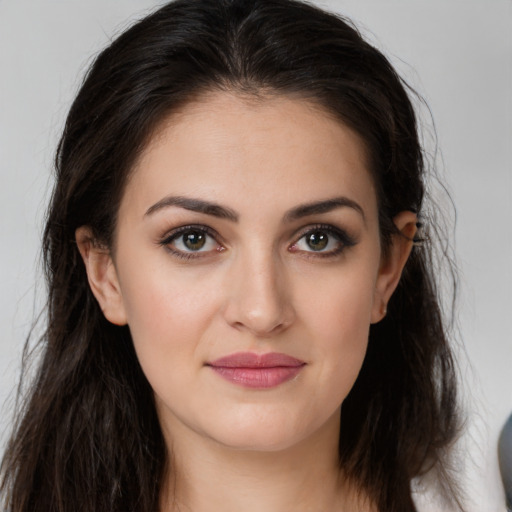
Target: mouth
[(257, 370)]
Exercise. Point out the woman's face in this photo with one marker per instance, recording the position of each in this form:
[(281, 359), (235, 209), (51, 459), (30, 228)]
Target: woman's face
[(248, 267)]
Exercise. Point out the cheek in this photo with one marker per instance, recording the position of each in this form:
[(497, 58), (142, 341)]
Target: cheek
[(168, 314), (339, 302), (339, 317), (345, 335)]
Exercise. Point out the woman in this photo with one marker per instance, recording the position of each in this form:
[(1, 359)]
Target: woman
[(241, 311)]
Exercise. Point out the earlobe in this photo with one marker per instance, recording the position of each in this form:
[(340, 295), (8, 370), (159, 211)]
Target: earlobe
[(393, 263), (102, 276)]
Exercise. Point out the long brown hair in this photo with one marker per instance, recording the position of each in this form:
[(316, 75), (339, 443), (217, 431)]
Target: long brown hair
[(87, 436)]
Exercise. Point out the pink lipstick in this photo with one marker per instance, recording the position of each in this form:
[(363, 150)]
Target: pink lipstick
[(257, 370)]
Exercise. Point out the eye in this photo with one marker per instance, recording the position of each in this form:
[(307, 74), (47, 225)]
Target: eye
[(193, 241), (324, 240), (190, 241)]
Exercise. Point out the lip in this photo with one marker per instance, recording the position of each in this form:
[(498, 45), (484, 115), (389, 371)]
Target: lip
[(261, 371)]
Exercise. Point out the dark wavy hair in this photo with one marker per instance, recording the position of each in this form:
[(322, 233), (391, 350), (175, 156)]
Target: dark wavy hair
[(87, 436)]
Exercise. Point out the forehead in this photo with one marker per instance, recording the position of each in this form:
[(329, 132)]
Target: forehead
[(239, 149)]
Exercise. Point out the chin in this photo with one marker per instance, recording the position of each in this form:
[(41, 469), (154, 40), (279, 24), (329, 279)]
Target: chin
[(256, 441), (268, 431)]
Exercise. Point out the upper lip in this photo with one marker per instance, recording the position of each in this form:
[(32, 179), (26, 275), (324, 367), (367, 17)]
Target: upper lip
[(252, 360)]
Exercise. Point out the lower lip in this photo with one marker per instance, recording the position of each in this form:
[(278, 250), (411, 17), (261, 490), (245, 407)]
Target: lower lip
[(261, 378)]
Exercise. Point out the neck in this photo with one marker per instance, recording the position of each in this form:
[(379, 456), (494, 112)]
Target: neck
[(205, 475)]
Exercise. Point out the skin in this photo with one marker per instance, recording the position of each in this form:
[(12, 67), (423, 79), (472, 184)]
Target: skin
[(254, 286)]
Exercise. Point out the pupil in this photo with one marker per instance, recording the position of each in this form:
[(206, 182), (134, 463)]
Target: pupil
[(318, 240), (194, 240)]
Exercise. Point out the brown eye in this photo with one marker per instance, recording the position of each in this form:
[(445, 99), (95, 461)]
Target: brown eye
[(194, 240), (191, 240), (317, 240), (325, 241)]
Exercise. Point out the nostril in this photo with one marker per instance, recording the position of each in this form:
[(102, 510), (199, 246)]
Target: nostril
[(258, 298)]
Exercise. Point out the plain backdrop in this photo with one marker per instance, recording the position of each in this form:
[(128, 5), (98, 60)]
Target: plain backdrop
[(456, 53)]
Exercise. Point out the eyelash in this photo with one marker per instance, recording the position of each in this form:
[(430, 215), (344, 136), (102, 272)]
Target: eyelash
[(175, 234), (344, 240)]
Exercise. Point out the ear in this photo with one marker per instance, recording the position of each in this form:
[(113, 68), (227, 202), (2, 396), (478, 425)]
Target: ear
[(393, 262), (102, 276)]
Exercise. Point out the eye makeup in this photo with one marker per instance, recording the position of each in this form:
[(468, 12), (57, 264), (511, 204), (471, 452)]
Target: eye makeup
[(322, 241), (194, 241)]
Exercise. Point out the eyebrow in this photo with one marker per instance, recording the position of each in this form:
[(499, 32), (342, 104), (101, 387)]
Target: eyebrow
[(195, 205), (223, 212), (325, 206)]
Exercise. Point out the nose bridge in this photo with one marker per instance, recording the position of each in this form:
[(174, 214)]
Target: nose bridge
[(259, 298)]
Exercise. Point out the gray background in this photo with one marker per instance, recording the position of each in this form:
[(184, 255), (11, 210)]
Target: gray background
[(457, 53)]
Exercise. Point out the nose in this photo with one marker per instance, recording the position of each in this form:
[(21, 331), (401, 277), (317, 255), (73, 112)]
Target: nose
[(259, 296)]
